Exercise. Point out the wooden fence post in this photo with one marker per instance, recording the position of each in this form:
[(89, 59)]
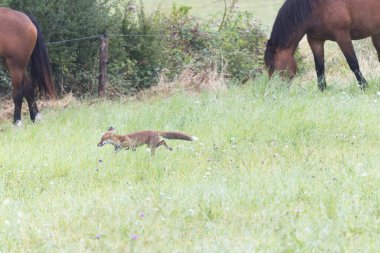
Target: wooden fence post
[(103, 54)]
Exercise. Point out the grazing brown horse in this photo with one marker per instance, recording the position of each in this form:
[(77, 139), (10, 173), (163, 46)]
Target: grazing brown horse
[(20, 41), (336, 20)]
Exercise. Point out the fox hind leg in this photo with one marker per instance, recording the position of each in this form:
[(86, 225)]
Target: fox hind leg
[(163, 143), (153, 145)]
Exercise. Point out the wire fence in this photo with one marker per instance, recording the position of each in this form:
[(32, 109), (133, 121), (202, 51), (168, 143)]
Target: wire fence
[(118, 36), (99, 37), (74, 40)]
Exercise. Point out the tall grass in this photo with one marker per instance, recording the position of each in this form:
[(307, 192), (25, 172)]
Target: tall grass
[(276, 168), (264, 10)]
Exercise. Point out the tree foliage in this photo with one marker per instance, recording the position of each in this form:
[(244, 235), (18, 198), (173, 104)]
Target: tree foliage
[(141, 45)]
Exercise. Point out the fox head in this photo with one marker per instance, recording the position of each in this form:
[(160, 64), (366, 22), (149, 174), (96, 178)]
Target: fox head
[(107, 137)]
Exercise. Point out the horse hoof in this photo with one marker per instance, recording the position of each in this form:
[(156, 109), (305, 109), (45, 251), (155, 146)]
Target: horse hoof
[(38, 117), (363, 86), (322, 87), (18, 123)]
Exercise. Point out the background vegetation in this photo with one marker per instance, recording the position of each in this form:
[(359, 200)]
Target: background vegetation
[(278, 167), (144, 44), (263, 10)]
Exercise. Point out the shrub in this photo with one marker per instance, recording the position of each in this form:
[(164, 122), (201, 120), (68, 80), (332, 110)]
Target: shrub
[(143, 47), (177, 41)]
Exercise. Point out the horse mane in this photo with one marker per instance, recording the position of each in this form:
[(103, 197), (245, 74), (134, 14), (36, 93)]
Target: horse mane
[(291, 16)]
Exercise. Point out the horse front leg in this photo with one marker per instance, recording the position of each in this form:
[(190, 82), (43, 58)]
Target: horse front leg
[(317, 47), (345, 44)]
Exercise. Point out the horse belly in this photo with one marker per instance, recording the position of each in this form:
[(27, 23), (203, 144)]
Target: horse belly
[(361, 30)]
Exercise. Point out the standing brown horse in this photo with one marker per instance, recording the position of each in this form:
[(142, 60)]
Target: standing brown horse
[(21, 40), (321, 20)]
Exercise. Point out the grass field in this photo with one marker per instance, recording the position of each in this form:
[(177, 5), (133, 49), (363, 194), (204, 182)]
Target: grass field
[(264, 10), (275, 169), (278, 167)]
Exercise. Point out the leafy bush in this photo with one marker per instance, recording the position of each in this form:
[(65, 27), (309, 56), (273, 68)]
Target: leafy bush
[(177, 41), (241, 45), (142, 47), (74, 62), (5, 81)]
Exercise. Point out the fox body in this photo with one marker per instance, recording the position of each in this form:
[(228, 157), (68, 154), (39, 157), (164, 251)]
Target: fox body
[(133, 140)]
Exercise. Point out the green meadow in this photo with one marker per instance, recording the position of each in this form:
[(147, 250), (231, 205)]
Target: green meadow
[(278, 167), (263, 10)]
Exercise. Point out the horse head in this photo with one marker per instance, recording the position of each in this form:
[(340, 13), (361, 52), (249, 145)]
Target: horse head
[(280, 60)]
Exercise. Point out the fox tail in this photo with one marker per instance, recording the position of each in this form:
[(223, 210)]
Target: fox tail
[(178, 136)]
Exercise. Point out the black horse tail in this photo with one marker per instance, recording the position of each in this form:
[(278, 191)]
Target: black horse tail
[(41, 72)]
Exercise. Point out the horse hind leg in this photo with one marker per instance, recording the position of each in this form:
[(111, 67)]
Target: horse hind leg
[(17, 101), (17, 76), (22, 86), (30, 95), (347, 48), (376, 43)]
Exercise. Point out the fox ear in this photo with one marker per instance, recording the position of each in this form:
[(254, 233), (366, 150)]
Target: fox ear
[(111, 129)]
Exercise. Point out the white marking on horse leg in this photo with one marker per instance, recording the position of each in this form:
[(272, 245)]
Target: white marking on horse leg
[(38, 117), (18, 123)]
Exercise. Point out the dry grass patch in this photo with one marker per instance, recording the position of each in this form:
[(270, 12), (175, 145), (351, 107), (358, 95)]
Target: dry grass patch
[(190, 80), (7, 106)]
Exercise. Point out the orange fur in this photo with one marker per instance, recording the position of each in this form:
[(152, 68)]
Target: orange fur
[(136, 139)]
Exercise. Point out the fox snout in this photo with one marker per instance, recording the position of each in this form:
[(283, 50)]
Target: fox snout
[(101, 144)]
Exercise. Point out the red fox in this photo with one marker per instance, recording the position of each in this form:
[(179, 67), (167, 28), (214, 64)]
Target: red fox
[(136, 139)]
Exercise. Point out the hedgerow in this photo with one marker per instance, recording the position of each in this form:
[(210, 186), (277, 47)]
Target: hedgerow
[(143, 46)]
